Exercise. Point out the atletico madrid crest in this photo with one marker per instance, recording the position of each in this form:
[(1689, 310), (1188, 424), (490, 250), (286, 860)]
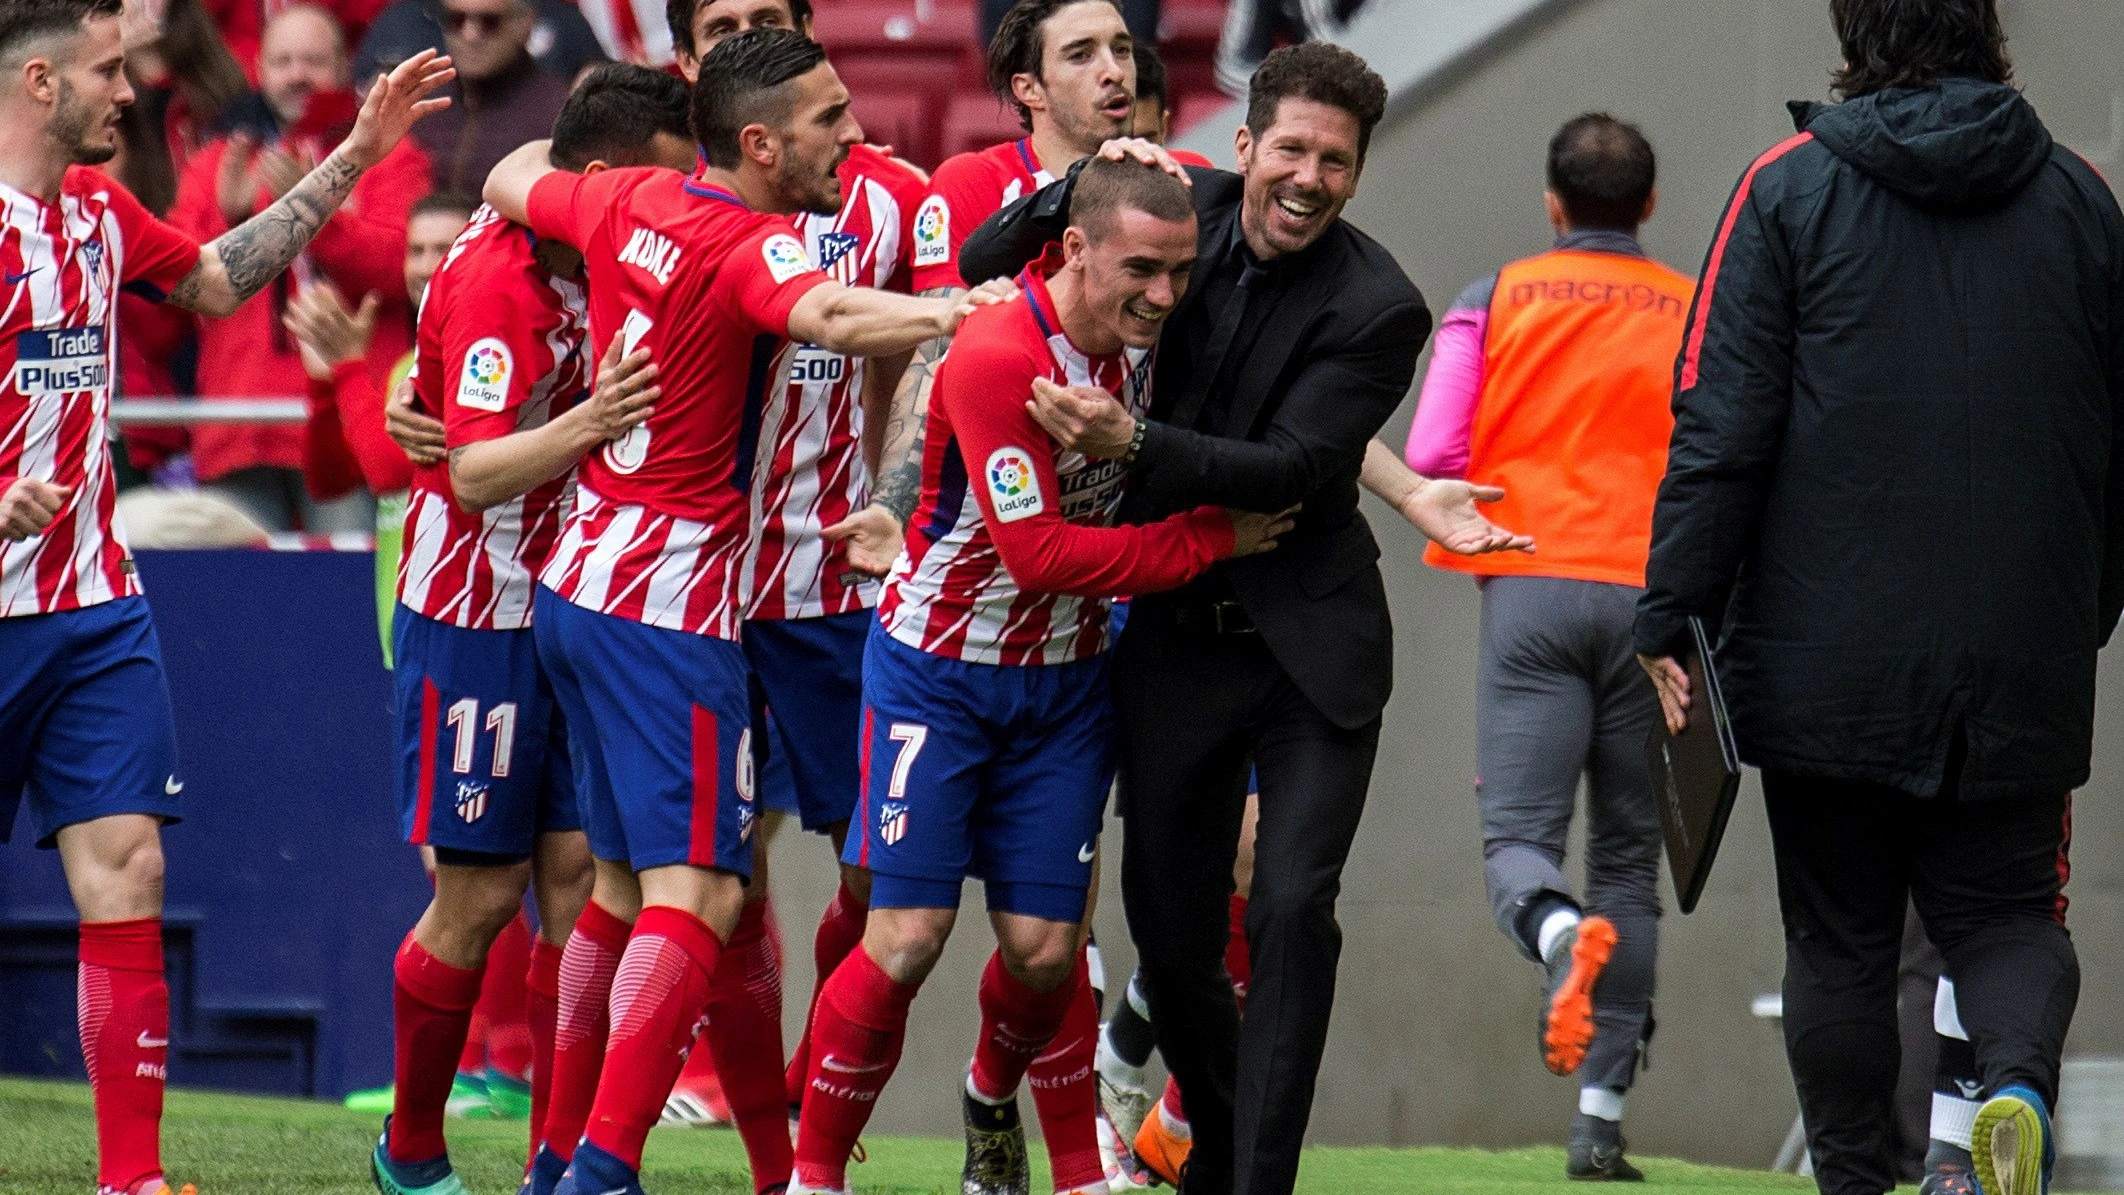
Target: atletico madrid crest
[(471, 801), (892, 822)]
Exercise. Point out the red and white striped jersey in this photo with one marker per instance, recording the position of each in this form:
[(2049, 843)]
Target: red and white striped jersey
[(809, 473), (684, 269), (62, 265), (1011, 554), (499, 350), (631, 30), (969, 188)]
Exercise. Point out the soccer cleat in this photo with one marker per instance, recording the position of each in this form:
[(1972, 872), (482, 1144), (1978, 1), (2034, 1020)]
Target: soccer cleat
[(372, 1101), (1574, 962), (153, 1184), (545, 1173), (1949, 1180), (1123, 1171), (2011, 1144), (432, 1177), (699, 1103), (797, 1188), (1596, 1154), (1162, 1147), (468, 1098), (508, 1098), (996, 1163), (595, 1172), (1124, 1106)]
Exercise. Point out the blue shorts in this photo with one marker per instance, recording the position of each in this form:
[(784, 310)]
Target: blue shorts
[(85, 720), (778, 786), (991, 771), (660, 734), (810, 671), (482, 751)]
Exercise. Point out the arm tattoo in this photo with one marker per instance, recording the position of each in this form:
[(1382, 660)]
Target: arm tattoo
[(255, 251), (900, 460)]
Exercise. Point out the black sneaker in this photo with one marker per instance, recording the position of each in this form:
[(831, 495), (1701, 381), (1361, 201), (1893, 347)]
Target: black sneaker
[(995, 1149), (1949, 1170), (1597, 1153)]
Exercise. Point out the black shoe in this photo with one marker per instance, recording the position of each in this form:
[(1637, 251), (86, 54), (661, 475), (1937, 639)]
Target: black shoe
[(1949, 1170), (1597, 1153), (995, 1150)]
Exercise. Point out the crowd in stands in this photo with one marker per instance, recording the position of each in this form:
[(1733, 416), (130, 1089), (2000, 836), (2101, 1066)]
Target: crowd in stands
[(235, 100)]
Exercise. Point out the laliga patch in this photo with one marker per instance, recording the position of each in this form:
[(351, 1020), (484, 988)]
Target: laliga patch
[(1013, 486), (932, 232), (483, 384), (785, 256)]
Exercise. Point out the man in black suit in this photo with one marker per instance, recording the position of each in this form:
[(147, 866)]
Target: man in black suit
[(1296, 340)]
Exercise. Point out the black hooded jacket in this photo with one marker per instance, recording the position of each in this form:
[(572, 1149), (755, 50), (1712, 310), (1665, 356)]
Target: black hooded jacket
[(1897, 472)]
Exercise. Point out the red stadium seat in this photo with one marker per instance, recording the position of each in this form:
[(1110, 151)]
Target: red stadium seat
[(1194, 107), (900, 120), (974, 122)]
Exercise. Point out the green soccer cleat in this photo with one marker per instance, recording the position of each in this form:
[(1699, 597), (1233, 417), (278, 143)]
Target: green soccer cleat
[(507, 1098), (2011, 1144), (432, 1177), (372, 1101), (468, 1098)]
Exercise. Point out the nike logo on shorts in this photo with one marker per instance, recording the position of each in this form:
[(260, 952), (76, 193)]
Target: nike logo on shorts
[(1084, 853), (173, 786)]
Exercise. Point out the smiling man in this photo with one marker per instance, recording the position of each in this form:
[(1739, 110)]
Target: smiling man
[(1297, 339)]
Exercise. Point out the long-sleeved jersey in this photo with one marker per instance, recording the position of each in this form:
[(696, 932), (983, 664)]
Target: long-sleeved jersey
[(1011, 554)]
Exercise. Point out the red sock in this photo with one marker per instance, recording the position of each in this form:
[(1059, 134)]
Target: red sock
[(1238, 957), (431, 1003), (587, 966), (840, 929), (658, 997), (745, 1036), (1170, 1101), (1017, 1023), (858, 1027), (1065, 1096), (124, 1010), (542, 1013), (503, 1001)]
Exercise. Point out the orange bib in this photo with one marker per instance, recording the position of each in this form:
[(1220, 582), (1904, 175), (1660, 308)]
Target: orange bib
[(1574, 415)]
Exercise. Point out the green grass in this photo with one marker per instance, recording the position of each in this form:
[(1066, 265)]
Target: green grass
[(243, 1145)]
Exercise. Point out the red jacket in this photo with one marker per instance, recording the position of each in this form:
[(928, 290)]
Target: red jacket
[(361, 249)]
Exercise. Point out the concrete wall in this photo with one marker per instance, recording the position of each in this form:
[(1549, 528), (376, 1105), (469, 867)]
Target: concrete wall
[(1433, 1037)]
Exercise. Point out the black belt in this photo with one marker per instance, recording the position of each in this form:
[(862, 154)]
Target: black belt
[(1212, 618)]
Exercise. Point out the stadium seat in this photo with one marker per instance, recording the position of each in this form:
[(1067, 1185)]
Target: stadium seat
[(899, 120), (978, 121), (1194, 107)]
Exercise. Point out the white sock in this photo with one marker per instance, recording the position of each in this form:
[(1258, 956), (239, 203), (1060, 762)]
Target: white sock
[(1601, 1103), (1095, 966), (978, 1094), (1135, 998), (1953, 1119), (1114, 1068), (1552, 928)]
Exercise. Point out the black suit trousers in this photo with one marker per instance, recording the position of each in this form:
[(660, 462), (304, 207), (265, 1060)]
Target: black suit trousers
[(1194, 708), (1988, 880)]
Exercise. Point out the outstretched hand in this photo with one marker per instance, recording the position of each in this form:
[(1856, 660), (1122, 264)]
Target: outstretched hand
[(394, 102), (1445, 510)]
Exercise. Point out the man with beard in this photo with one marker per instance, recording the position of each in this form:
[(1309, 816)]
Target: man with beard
[(84, 704), (638, 613)]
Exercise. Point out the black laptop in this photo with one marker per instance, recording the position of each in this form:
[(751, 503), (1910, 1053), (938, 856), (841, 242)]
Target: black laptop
[(1695, 775)]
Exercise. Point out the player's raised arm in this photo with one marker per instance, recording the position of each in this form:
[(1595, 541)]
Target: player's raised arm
[(863, 322), (508, 188), (487, 473), (242, 260)]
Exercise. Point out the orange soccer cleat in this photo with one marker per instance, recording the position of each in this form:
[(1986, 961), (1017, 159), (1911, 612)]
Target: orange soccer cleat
[(1162, 1145), (1575, 963)]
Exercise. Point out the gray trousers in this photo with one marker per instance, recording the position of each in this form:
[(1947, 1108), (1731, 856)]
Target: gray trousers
[(1559, 694)]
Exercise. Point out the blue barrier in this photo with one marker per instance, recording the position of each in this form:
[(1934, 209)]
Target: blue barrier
[(288, 887)]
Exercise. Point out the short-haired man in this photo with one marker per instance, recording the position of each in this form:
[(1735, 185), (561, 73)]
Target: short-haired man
[(302, 104), (808, 611), (84, 705), (485, 777), (639, 611), (503, 97), (1908, 531), (1298, 338), (1551, 379), (1152, 119), (986, 730)]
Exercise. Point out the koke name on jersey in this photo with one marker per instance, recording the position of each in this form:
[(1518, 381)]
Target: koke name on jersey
[(652, 251), (61, 361)]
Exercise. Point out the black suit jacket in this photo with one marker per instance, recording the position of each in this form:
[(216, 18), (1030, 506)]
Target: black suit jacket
[(1335, 354)]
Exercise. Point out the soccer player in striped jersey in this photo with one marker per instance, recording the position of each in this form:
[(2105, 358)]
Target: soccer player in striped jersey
[(988, 737), (638, 614), (1068, 66), (485, 778), (84, 705), (808, 611)]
